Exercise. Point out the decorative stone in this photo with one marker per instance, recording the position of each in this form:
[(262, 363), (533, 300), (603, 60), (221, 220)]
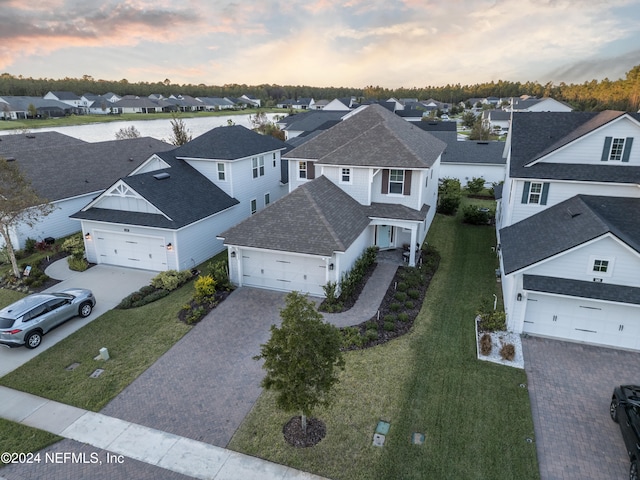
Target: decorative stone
[(378, 440)]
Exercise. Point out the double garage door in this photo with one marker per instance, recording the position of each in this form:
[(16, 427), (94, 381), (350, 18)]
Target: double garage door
[(580, 320), (135, 251), (284, 272)]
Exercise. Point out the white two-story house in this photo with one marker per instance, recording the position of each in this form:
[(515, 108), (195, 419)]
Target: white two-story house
[(370, 180), (167, 212), (569, 227)]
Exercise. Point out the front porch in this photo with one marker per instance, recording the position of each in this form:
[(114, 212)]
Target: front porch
[(397, 256)]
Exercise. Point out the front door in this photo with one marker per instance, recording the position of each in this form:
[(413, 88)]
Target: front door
[(383, 236)]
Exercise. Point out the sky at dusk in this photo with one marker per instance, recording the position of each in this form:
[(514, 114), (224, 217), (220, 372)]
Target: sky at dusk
[(353, 43)]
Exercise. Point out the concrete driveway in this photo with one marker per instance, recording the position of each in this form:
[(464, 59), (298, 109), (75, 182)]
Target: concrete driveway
[(570, 388), (109, 285)]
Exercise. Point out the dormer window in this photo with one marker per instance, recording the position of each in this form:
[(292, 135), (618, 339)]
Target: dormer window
[(617, 149)]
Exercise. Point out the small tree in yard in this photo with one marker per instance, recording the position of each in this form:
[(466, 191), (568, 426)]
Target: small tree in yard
[(19, 204), (302, 358), (181, 133)]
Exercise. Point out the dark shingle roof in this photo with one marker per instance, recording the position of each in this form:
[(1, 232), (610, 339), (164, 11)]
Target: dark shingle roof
[(474, 152), (317, 218), (373, 137), (15, 145), (314, 120), (567, 225), (396, 211), (534, 134), (68, 169), (229, 143), (579, 288), (186, 196)]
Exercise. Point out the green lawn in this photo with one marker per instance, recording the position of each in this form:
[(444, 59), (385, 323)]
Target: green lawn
[(29, 124), (474, 415)]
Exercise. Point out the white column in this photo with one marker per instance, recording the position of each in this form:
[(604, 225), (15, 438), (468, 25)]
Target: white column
[(412, 246)]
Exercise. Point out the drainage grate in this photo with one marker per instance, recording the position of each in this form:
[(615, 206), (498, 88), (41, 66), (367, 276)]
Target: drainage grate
[(383, 427), (378, 440), (97, 373), (73, 366)]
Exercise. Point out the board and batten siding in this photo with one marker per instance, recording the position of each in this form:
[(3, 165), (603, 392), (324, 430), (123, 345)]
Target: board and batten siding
[(577, 264), (588, 149), (129, 204)]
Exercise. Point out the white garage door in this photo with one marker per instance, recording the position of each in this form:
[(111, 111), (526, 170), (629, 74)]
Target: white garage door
[(583, 321), (283, 272), (136, 251)]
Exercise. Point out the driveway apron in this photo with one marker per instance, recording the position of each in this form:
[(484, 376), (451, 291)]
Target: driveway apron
[(570, 388), (205, 385)]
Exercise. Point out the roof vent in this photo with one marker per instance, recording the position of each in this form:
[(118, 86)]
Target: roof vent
[(131, 159), (10, 159), (161, 176), (482, 143), (573, 214), (31, 136)]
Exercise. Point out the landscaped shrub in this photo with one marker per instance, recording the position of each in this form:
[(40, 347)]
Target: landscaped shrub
[(195, 315), (485, 344), (389, 317), (409, 305), (74, 245), (371, 335), (475, 185), (205, 287), (220, 273), (403, 317), (29, 246), (77, 264), (389, 326), (402, 286), (508, 351), (330, 292), (170, 279), (475, 215), (400, 296), (36, 276), (494, 321), (448, 204), (413, 294), (394, 307), (145, 295), (351, 337)]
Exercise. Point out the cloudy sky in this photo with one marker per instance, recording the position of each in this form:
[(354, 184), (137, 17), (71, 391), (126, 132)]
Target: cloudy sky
[(352, 43)]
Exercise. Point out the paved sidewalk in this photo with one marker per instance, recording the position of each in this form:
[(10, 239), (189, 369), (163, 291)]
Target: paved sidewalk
[(125, 439)]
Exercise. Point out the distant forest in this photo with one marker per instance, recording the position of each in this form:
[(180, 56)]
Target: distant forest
[(622, 94)]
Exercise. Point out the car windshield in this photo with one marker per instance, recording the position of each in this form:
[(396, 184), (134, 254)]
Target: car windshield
[(6, 322)]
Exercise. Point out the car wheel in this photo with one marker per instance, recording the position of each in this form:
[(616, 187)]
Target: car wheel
[(633, 470), (85, 309), (33, 340), (613, 409)]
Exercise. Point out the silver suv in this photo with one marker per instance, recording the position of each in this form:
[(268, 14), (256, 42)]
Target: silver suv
[(27, 320)]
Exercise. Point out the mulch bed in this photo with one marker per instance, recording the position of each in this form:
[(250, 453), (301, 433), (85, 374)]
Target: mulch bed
[(293, 434), (348, 303), (184, 313)]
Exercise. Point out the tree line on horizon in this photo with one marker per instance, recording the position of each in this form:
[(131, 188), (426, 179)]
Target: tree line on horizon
[(594, 95)]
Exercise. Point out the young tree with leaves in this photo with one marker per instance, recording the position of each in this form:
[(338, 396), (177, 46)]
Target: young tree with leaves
[(181, 133), (302, 358), (19, 204)]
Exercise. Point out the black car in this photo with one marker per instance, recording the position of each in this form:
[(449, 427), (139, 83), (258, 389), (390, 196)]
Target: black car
[(625, 410)]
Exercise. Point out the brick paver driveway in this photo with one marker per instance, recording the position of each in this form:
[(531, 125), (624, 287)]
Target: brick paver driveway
[(570, 387)]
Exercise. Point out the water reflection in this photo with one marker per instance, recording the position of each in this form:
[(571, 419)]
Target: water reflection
[(160, 129)]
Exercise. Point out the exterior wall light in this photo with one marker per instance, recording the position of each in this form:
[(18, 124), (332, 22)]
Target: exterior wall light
[(331, 266), (87, 236), (169, 247), (519, 297), (233, 254)]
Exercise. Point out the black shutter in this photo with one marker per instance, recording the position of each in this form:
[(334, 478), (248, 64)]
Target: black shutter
[(627, 149), (545, 193), (606, 150), (311, 170), (385, 180), (525, 192), (407, 183)]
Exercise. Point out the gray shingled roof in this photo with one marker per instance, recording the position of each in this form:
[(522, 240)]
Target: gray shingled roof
[(567, 225), (317, 218), (313, 120), (578, 288), (534, 134), (229, 143), (469, 151), (68, 169), (16, 145), (185, 197), (373, 137), (398, 212)]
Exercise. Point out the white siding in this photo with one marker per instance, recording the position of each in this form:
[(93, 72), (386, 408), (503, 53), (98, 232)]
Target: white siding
[(359, 186), (411, 201), (588, 149), (197, 243), (466, 171), (559, 192), (624, 264)]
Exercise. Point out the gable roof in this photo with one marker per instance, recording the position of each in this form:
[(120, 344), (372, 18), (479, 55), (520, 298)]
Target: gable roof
[(70, 168), (373, 137), (229, 143), (185, 196), (567, 225), (314, 120), (317, 218), (536, 134), (474, 152)]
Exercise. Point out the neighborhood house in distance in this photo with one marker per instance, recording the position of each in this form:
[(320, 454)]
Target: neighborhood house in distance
[(295, 215)]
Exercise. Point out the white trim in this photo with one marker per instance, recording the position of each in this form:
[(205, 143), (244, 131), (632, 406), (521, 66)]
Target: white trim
[(152, 158), (577, 299), (604, 258)]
